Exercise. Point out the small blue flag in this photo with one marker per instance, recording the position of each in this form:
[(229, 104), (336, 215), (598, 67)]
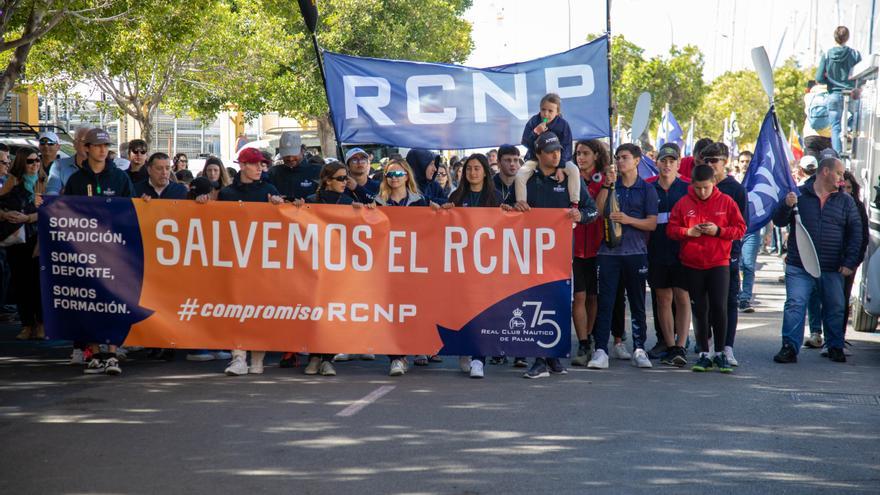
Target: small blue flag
[(669, 131), (768, 179)]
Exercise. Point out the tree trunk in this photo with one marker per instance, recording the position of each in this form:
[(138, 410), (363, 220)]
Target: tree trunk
[(145, 119), (13, 70), (327, 136)]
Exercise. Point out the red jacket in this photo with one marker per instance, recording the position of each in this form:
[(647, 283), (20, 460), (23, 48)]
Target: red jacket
[(685, 167), (706, 251), (588, 237)]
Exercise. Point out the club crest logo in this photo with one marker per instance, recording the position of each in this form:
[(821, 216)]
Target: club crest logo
[(517, 322)]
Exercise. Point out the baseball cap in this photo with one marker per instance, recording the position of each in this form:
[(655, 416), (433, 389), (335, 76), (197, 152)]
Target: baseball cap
[(202, 185), (290, 144), (249, 155), (353, 153), (97, 136), (547, 142), (49, 136), (808, 162), (668, 149)]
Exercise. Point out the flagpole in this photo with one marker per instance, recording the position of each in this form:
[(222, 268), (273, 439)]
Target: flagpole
[(610, 107)]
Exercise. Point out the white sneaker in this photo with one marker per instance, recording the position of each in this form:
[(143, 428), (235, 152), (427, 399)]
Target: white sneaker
[(95, 367), (313, 366), (111, 367), (599, 361), (327, 369), (640, 358), (238, 366), (476, 369), (77, 357), (256, 367), (340, 358), (464, 362), (368, 357), (397, 368), (728, 351), (619, 352)]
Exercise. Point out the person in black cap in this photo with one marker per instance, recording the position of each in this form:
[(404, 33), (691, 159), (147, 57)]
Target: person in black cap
[(204, 189), (668, 285), (548, 141)]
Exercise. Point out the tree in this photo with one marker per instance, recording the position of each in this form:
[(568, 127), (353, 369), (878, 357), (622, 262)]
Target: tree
[(24, 23), (676, 79), (739, 92), (421, 30), (167, 54), (791, 84)]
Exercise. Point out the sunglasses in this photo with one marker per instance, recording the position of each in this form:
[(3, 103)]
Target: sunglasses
[(139, 151), (396, 174), (340, 178), (5, 162), (47, 142), (713, 159), (31, 161)]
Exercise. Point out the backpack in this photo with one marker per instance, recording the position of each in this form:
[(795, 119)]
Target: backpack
[(817, 112)]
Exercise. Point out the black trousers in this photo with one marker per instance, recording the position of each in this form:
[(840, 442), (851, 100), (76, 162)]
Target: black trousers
[(25, 282), (708, 290)]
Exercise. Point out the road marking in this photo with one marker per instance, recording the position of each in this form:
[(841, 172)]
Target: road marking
[(366, 401)]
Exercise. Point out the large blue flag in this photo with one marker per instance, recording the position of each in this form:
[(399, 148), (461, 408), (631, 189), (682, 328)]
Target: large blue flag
[(669, 131), (443, 106), (647, 167), (768, 179)]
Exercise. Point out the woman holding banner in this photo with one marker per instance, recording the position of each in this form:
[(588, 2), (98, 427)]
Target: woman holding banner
[(477, 189), (332, 183), (18, 201), (399, 188)]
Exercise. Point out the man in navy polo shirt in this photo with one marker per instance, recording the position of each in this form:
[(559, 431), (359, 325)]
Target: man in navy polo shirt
[(664, 269), (627, 263)]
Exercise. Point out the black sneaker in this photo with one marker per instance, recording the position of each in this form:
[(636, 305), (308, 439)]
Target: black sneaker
[(746, 307), (722, 364), (836, 354), (556, 366), (498, 360), (658, 351), (787, 354), (538, 370), (288, 360), (669, 357), (679, 357), (703, 364), (520, 362)]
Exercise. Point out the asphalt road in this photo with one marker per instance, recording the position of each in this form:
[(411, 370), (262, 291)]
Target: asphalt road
[(184, 427)]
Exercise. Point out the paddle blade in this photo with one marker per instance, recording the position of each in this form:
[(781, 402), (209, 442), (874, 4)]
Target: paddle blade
[(640, 116), (806, 248), (765, 72), (310, 14)]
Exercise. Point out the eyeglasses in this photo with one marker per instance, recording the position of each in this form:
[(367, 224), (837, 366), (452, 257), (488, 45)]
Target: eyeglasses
[(140, 151), (442, 174), (395, 174), (340, 178), (31, 161), (713, 159)]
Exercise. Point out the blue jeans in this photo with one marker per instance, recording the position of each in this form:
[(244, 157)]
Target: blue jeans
[(632, 272), (835, 113), (814, 312), (799, 285), (732, 297), (750, 246)]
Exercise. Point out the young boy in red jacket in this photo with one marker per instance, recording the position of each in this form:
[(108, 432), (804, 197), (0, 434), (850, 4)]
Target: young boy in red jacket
[(706, 222)]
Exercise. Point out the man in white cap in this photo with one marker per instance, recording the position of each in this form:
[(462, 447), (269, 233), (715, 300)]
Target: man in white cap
[(49, 146), (62, 169), (807, 168), (360, 186), (295, 178)]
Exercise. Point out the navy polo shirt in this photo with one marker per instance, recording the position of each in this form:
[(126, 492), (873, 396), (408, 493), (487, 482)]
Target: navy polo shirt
[(664, 250), (638, 201)]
